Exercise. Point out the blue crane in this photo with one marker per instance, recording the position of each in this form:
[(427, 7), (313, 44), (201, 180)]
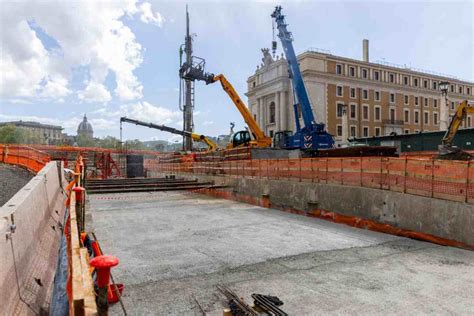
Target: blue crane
[(313, 135)]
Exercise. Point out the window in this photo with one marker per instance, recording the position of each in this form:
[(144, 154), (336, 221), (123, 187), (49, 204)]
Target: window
[(271, 134), (365, 112), (339, 130), (392, 78), (365, 94), (352, 71), (340, 109), (255, 117), (460, 89), (417, 117), (353, 111), (425, 83), (376, 75), (435, 103), (353, 131), (392, 115), (339, 69), (377, 113), (435, 118), (405, 80), (366, 131), (407, 131), (468, 90), (406, 99), (416, 100), (353, 93), (377, 131), (392, 97), (435, 85), (253, 84), (339, 91), (452, 88), (406, 116), (415, 82), (426, 101), (377, 95), (272, 112), (452, 105), (426, 120), (416, 131), (364, 73)]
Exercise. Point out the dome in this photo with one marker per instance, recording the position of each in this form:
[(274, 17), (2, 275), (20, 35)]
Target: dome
[(85, 128)]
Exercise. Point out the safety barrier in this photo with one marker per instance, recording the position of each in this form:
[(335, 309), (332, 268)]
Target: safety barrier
[(80, 288), (25, 156), (442, 179)]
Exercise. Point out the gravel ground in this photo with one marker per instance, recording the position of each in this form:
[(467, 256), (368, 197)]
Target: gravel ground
[(12, 179)]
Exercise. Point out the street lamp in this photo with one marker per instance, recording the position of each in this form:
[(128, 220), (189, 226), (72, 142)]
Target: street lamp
[(443, 86)]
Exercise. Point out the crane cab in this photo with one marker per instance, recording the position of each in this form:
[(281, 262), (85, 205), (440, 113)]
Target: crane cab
[(240, 139), (282, 139)]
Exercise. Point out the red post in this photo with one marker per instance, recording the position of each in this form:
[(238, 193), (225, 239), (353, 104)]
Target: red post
[(103, 264)]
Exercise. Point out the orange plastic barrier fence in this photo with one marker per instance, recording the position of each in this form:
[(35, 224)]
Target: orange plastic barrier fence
[(25, 156), (443, 179)]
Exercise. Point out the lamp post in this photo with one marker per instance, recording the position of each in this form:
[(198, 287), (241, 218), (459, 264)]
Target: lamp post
[(443, 121)]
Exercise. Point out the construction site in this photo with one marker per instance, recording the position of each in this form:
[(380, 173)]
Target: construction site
[(294, 215)]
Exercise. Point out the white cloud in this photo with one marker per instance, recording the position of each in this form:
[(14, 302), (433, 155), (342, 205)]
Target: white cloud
[(95, 92), (147, 15), (88, 34), (149, 113), (208, 123)]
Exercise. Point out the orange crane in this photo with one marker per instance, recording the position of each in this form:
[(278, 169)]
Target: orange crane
[(241, 138)]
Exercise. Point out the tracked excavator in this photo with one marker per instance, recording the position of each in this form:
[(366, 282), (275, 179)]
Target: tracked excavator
[(446, 150), (211, 146)]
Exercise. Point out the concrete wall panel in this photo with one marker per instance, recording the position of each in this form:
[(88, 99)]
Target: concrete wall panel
[(37, 208)]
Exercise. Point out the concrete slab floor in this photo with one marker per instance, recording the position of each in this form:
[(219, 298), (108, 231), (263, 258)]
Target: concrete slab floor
[(174, 247)]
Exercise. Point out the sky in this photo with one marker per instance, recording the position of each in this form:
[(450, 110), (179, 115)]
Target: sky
[(63, 59)]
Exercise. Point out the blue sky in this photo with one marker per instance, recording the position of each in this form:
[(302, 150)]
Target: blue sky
[(109, 59)]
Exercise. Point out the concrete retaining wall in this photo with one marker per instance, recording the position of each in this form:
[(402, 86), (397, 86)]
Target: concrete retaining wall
[(446, 219), (37, 208)]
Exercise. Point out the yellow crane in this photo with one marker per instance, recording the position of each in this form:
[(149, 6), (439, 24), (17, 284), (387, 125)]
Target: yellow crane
[(242, 138), (446, 149)]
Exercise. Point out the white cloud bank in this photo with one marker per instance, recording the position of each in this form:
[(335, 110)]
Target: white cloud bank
[(87, 34)]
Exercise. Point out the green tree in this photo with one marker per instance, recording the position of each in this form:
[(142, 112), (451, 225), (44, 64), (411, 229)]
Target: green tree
[(135, 145), (85, 141), (10, 134), (109, 142)]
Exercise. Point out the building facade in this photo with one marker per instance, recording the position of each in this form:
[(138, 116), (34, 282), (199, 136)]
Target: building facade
[(355, 98), (39, 133)]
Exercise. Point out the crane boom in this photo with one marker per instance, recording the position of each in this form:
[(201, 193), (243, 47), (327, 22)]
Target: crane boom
[(313, 135), (260, 137), (297, 79), (196, 137)]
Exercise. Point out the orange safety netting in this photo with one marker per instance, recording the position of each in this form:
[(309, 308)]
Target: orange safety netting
[(24, 156), (443, 179)]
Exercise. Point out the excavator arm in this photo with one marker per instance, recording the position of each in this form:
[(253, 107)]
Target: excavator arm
[(260, 138), (461, 112), (446, 149), (203, 139)]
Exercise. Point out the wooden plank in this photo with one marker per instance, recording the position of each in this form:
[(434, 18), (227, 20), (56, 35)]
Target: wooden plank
[(76, 269), (90, 307)]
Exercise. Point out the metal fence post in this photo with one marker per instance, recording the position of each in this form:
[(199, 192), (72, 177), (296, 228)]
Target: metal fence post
[(405, 176)]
